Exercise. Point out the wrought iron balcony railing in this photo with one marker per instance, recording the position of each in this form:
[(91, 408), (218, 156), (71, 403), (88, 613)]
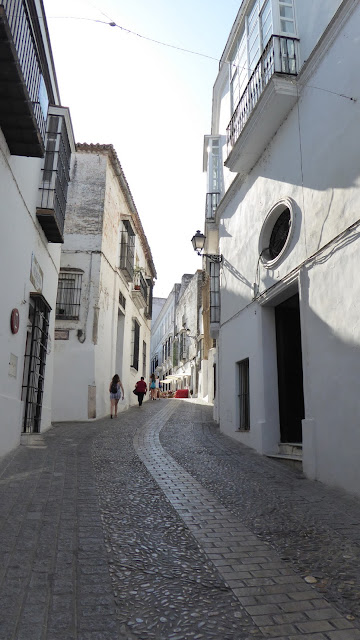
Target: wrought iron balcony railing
[(23, 109), (278, 57), (55, 179), (212, 201), (140, 290)]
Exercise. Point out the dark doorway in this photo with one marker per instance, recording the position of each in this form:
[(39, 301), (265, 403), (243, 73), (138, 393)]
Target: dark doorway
[(290, 372)]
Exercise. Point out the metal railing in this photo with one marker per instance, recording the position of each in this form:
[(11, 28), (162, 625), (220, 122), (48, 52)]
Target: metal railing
[(212, 201), (19, 23), (140, 283), (214, 292), (279, 56), (35, 361), (56, 172)]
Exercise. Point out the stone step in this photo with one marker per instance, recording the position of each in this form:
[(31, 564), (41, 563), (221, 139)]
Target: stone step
[(289, 452), (291, 449)]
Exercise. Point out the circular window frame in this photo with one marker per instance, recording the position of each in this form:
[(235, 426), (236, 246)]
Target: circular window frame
[(267, 228)]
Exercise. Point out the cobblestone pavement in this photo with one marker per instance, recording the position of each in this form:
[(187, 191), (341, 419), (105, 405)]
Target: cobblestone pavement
[(156, 526)]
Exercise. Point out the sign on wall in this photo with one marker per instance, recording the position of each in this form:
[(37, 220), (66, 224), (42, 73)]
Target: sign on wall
[(36, 274)]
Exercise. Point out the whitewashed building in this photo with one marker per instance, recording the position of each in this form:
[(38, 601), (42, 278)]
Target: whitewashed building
[(284, 164), (189, 333), (103, 307), (36, 141), (177, 338), (162, 339)]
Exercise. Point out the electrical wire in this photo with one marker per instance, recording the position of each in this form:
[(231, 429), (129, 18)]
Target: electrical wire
[(196, 53), (134, 33)]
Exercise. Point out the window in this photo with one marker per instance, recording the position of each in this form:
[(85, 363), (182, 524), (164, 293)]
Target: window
[(253, 38), (144, 359), (122, 300), (201, 349), (214, 176), (149, 301), (214, 291), (276, 232), (135, 340), (243, 395), (127, 248), (183, 346), (287, 21), (68, 295)]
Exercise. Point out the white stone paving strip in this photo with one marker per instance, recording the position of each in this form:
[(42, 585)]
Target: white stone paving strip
[(280, 602)]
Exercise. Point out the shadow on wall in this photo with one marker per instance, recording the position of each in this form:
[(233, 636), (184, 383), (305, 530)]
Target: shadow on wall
[(331, 364)]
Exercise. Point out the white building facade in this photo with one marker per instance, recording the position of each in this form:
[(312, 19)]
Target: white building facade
[(283, 162), (104, 301), (162, 339), (36, 142)]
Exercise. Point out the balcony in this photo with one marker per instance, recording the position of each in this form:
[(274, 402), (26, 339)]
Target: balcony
[(212, 201), (23, 96), (139, 292), (55, 175), (267, 100)]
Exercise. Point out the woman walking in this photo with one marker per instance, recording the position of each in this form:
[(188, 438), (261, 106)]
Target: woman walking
[(116, 392), (152, 387)]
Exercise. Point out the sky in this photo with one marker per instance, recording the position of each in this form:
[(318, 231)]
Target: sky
[(150, 101)]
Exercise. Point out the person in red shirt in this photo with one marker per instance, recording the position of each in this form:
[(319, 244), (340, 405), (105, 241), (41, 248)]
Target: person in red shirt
[(141, 388)]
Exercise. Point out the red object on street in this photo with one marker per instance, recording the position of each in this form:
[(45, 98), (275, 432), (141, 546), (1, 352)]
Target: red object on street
[(182, 393)]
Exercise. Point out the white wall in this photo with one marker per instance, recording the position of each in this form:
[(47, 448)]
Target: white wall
[(21, 236), (313, 160), (95, 206)]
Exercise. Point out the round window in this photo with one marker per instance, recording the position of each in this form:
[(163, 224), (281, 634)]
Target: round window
[(276, 232)]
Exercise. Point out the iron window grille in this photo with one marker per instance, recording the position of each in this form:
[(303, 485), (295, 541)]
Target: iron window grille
[(279, 234), (127, 249), (175, 353), (135, 341), (68, 295), (244, 395), (35, 361), (183, 347), (148, 310), (214, 291), (144, 359), (56, 170)]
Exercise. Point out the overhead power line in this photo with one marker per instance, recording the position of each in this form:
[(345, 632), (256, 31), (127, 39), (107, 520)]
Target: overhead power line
[(172, 46), (139, 35)]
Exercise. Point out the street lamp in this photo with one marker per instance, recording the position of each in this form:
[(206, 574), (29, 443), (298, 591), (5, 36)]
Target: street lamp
[(198, 241)]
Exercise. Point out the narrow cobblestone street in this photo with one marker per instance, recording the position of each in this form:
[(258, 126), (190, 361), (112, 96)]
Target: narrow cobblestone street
[(156, 526)]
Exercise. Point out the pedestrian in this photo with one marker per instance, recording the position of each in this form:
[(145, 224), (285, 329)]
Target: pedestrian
[(157, 387), (116, 392), (141, 388), (152, 387)]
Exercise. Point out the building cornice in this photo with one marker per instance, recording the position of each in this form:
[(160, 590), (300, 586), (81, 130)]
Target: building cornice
[(109, 150)]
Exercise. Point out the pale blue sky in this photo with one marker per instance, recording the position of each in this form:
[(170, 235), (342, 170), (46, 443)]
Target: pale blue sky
[(153, 103)]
